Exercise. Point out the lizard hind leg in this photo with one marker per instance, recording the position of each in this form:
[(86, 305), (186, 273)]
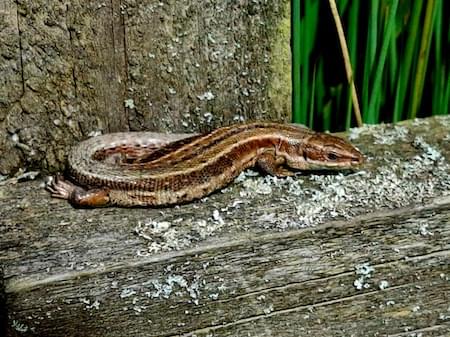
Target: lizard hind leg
[(76, 195)]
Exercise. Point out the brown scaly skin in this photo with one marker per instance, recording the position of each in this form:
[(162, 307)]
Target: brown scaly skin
[(147, 169)]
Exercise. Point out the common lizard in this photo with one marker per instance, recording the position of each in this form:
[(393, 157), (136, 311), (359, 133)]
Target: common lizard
[(148, 169)]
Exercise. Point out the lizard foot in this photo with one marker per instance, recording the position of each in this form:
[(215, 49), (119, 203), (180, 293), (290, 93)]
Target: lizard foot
[(76, 195), (60, 188)]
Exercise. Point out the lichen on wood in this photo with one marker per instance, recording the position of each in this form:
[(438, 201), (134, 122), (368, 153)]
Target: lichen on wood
[(359, 254), (76, 68)]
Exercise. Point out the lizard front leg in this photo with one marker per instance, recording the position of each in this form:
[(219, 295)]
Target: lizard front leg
[(272, 164)]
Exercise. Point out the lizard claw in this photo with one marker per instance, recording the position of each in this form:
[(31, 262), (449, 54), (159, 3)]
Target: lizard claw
[(59, 187)]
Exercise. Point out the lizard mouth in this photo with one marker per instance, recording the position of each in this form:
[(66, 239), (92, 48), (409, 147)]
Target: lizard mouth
[(352, 164)]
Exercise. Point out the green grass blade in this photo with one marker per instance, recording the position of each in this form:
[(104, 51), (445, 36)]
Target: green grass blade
[(445, 110), (326, 115), (370, 54), (311, 100), (439, 73), (320, 89), (353, 27), (419, 79), (400, 105), (296, 61), (389, 58), (309, 30), (393, 60), (375, 99), (342, 5)]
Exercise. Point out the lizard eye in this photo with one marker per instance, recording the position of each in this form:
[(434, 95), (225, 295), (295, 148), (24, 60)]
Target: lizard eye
[(332, 156)]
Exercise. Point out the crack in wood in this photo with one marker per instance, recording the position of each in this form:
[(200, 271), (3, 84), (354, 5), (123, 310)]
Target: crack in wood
[(437, 253), (74, 77), (113, 34), (284, 311), (20, 49), (417, 332), (114, 51), (33, 284), (3, 306), (125, 55)]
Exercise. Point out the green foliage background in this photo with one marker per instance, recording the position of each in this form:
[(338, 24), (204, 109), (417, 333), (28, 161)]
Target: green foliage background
[(399, 51)]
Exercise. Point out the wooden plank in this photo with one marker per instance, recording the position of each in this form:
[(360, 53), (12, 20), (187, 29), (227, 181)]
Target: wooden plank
[(357, 254), (306, 283)]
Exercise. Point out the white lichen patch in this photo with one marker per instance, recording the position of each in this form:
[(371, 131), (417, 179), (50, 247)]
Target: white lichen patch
[(258, 186), (208, 117), (19, 327), (206, 96), (90, 304), (127, 292), (173, 284), (383, 284), (160, 236), (206, 228), (239, 118), (141, 296), (430, 153), (177, 234), (381, 133), (217, 217), (95, 133), (267, 310), (364, 271), (129, 103), (95, 305), (391, 136), (423, 230)]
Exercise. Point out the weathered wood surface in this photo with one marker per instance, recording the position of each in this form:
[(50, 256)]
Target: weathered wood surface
[(365, 254), (72, 68)]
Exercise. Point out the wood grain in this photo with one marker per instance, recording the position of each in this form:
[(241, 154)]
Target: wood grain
[(235, 271), (72, 69)]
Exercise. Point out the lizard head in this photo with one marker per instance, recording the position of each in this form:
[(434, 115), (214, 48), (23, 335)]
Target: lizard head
[(325, 151)]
